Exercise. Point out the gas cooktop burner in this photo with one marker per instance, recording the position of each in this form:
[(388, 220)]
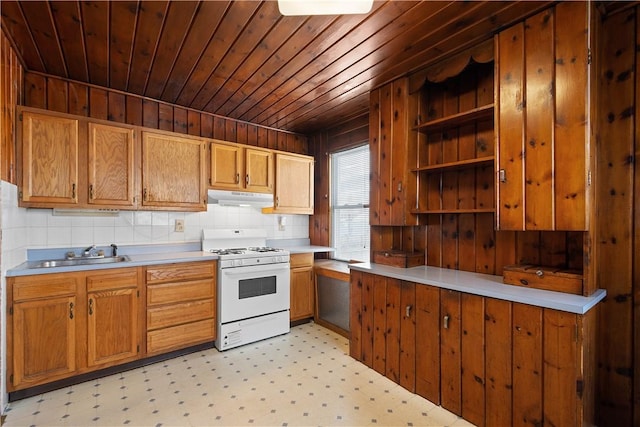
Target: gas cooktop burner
[(264, 249), (227, 251)]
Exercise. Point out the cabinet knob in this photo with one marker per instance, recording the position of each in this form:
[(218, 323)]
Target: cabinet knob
[(70, 310), (445, 321), (144, 195), (91, 192), (73, 190), (247, 179), (90, 306), (539, 273), (237, 178), (400, 187)]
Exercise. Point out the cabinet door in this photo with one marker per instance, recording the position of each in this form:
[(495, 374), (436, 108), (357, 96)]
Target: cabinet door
[(173, 171), (111, 165), (226, 166), (113, 313), (408, 336), (450, 352), (49, 148), (427, 314), (542, 76), (302, 294), (294, 184), (259, 170), (44, 340), (393, 187)]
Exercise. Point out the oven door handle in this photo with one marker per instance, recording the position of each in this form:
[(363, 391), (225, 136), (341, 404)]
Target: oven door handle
[(237, 271)]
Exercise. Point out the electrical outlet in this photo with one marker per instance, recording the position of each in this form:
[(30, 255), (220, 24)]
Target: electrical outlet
[(179, 225)]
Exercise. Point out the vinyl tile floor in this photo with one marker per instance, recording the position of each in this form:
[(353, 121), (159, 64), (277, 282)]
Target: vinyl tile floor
[(303, 378)]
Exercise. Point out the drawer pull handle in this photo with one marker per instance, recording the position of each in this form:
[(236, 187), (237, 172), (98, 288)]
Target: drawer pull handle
[(247, 180), (90, 306), (539, 273), (408, 311), (446, 321), (70, 310), (524, 282), (91, 192)]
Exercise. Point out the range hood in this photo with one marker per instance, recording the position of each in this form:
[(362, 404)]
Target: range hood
[(239, 198)]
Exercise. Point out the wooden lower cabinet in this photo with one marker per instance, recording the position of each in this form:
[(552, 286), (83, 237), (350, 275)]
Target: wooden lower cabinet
[(42, 325), (62, 325), (493, 362), (302, 293), (181, 305), (113, 317)]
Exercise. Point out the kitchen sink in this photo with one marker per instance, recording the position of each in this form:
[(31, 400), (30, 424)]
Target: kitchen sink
[(78, 261)]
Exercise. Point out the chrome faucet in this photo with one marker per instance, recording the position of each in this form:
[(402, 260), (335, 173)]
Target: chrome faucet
[(114, 249), (88, 251)]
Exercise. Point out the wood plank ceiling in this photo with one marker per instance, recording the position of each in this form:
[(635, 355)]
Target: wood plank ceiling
[(242, 59)]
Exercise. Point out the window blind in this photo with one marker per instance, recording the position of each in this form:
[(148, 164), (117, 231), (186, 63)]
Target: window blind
[(350, 204)]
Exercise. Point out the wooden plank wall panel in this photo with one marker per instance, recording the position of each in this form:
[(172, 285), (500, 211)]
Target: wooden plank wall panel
[(450, 359), (498, 363), (374, 156), (57, 94), (616, 196), (379, 323), (408, 336), (527, 365), (473, 358), (509, 105), (636, 227), (539, 120), (385, 153), (11, 95), (428, 343), (570, 132), (561, 367), (392, 330)]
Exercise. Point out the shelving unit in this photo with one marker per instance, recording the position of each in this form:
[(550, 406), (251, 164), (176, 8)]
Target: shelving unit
[(454, 165), (460, 164), (455, 120)]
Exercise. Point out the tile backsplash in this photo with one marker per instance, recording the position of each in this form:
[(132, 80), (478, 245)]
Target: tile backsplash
[(40, 228)]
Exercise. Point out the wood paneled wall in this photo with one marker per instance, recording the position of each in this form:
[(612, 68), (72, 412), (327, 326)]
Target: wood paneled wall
[(617, 218), (66, 96), (350, 134), (11, 76)]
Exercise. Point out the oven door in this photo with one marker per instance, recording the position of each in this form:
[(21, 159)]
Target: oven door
[(245, 292)]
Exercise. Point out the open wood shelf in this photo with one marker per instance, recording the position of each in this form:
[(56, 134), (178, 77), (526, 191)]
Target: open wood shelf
[(460, 164), (484, 112), (452, 211)]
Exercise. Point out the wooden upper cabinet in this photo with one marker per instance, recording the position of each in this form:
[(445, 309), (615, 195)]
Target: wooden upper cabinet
[(258, 170), (227, 166), (235, 167), (294, 184), (392, 146), (49, 149), (173, 172), (111, 165), (542, 121)]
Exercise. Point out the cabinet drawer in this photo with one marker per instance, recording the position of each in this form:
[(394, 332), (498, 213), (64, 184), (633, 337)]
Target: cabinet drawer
[(166, 293), (547, 278), (301, 260), (113, 279), (44, 286), (180, 271), (176, 314), (181, 336)]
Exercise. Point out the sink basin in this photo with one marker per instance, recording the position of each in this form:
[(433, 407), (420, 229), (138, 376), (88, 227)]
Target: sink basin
[(78, 261)]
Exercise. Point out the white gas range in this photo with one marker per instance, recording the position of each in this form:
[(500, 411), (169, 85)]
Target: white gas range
[(253, 286)]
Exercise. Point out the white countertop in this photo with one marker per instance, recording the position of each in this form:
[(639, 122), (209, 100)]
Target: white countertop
[(136, 260), (307, 249), (485, 285)]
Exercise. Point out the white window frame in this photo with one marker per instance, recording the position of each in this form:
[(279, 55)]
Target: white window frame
[(361, 235)]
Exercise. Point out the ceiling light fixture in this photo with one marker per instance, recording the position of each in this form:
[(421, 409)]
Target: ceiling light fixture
[(324, 7)]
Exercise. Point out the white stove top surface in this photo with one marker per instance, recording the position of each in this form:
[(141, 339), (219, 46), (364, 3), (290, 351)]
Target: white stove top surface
[(238, 243)]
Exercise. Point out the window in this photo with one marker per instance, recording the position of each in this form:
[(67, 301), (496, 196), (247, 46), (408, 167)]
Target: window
[(350, 204)]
